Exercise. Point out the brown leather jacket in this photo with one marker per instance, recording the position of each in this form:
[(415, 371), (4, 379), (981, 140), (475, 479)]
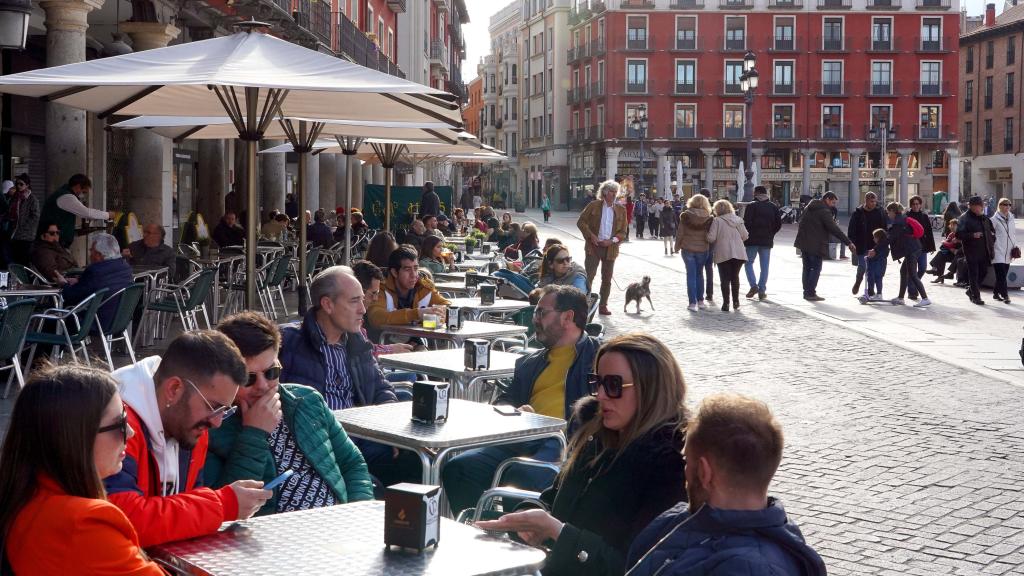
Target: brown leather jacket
[(590, 224), (49, 258)]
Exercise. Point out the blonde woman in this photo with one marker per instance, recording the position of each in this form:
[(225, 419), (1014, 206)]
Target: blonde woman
[(726, 237), (624, 465), (692, 241), (1006, 249)]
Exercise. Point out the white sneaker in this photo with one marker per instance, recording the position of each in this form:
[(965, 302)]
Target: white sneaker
[(924, 302), (876, 298), (702, 305), (692, 308), (896, 301)]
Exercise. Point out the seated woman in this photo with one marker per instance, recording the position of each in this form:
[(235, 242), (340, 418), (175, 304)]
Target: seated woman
[(528, 239), (282, 427), (380, 249), (431, 257), (507, 237), (557, 267), (68, 431), (624, 466)]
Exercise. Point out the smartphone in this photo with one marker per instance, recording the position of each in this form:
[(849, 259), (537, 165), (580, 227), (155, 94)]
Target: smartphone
[(505, 410), (279, 480)]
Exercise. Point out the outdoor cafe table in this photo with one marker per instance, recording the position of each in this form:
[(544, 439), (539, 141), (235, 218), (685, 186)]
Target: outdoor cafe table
[(470, 329), (473, 309), (456, 288), (450, 276), (470, 425), (231, 261), (33, 291), (345, 539), (450, 365)]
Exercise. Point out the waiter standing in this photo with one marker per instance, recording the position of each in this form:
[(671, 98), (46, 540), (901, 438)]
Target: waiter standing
[(64, 205)]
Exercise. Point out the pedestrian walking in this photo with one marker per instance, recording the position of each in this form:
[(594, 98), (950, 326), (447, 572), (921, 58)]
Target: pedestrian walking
[(977, 238), (692, 241), (628, 203), (1006, 249), (905, 244), (726, 236), (545, 206), (763, 220), (640, 212), (430, 202), (875, 260), (812, 239), (667, 227), (867, 218), (654, 208), (709, 272), (927, 240), (603, 224), (23, 219)]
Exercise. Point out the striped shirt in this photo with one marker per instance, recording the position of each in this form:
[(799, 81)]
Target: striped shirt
[(338, 387)]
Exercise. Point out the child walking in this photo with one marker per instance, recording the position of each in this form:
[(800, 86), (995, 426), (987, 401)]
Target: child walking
[(876, 264)]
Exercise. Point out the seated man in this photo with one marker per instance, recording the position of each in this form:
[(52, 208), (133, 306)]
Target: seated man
[(405, 297), (282, 427), (319, 233), (107, 269), (547, 382), (228, 232), (730, 525), (417, 234), (430, 223), (326, 351), (50, 258), (151, 250), (273, 229), (370, 277), (170, 404)]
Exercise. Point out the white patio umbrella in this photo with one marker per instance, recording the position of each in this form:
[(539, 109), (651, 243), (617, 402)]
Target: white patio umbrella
[(251, 77)]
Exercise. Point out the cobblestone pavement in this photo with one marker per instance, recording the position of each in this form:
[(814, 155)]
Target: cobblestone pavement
[(895, 463)]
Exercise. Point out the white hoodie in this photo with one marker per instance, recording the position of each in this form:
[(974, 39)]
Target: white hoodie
[(138, 390)]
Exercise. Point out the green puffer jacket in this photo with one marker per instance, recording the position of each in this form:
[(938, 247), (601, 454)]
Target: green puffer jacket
[(240, 452)]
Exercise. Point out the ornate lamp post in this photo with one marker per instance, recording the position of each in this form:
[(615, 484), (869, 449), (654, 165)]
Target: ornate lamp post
[(748, 83), (639, 125), (883, 132), (14, 23)]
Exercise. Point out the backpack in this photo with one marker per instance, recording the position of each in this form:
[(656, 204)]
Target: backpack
[(916, 230)]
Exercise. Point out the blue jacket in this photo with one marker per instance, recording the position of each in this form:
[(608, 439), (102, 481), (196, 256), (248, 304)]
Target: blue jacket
[(303, 363), (723, 543), (112, 274)]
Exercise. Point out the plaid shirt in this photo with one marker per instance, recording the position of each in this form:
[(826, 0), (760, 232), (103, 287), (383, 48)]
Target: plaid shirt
[(338, 387)]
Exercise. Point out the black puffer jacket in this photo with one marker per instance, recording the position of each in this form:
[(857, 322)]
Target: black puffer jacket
[(928, 240), (976, 248), (863, 224), (763, 221)]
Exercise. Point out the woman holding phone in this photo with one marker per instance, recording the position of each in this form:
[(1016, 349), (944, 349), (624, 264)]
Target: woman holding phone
[(68, 431), (624, 466)]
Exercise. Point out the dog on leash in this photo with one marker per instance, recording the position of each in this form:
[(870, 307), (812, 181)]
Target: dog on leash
[(637, 291)]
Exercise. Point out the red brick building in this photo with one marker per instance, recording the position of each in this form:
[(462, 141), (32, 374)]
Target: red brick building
[(830, 71), (472, 112)]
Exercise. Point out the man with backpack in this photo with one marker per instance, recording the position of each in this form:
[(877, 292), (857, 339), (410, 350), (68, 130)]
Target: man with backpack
[(905, 242)]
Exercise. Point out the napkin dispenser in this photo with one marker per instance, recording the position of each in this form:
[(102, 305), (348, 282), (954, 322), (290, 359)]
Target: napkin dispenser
[(430, 402), (478, 354), (454, 323), (485, 248), (411, 516), (3, 280), (458, 256), (488, 293), (473, 280)]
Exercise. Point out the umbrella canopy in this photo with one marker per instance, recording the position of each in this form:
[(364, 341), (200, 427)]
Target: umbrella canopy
[(413, 148)]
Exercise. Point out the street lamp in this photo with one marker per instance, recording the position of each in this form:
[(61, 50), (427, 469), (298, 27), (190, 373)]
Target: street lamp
[(828, 179), (639, 125), (885, 133), (748, 83), (14, 23)]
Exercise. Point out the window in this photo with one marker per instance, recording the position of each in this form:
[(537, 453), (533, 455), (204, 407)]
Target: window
[(988, 93), (986, 144), (969, 64), (733, 71), (636, 33), (931, 74), (832, 34), (576, 121), (881, 114), (782, 121), (783, 79), (1009, 88), (784, 27), (586, 121), (380, 30), (686, 121), (735, 33), (930, 121), (831, 122), (515, 75), (1008, 136), (990, 54), (686, 76), (832, 77), (732, 121), (686, 33), (1011, 49), (968, 138), (636, 76), (370, 20), (881, 34), (881, 78), (633, 111), (931, 34), (968, 95)]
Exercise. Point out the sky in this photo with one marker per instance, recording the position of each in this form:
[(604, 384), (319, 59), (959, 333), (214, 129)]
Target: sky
[(478, 41)]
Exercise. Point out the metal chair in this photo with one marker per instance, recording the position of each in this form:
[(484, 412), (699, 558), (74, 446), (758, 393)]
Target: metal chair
[(274, 281), (84, 315), (501, 494), (26, 275), (523, 343), (13, 325), (120, 326), (185, 300)]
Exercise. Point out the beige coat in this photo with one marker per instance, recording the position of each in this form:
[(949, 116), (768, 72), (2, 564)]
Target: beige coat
[(589, 224), (726, 236), (692, 232)]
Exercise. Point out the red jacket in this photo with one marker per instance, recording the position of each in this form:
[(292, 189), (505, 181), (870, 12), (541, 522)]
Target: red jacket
[(193, 511), (59, 534)]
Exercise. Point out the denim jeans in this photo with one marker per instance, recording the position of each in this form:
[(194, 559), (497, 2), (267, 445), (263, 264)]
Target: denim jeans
[(922, 267), (695, 262), (811, 273), (764, 254)]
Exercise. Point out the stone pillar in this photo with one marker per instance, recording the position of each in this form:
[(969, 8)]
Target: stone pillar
[(328, 180), (212, 181), (954, 175), (854, 200), (66, 142), (272, 176), (150, 184), (340, 182), (755, 161), (662, 163), (611, 161), (709, 170), (241, 183), (806, 153), (378, 174), (904, 174)]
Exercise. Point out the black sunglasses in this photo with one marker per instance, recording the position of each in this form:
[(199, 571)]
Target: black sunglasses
[(121, 425), (272, 373), (564, 260), (612, 384)]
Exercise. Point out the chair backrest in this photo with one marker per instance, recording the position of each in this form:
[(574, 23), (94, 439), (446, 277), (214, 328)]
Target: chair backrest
[(130, 298), (87, 316), (279, 270), (522, 283), (200, 288), (524, 317), (21, 274), (13, 323), (311, 258)]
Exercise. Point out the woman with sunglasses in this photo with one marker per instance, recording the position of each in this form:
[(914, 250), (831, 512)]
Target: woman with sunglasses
[(68, 431), (624, 466), (282, 427), (557, 267)]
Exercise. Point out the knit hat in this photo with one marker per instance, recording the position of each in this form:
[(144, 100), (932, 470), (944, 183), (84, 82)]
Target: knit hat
[(976, 201)]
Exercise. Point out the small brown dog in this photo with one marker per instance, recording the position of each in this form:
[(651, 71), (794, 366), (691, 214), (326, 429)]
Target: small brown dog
[(637, 291)]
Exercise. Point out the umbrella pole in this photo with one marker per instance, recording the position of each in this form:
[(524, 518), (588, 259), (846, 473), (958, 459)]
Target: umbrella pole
[(353, 164), (300, 250), (387, 199), (251, 222)]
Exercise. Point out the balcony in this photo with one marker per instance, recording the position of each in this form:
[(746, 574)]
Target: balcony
[(785, 4), (397, 6), (638, 4), (733, 132), (932, 5), (358, 47), (637, 87), (834, 44), (783, 45), (585, 93), (645, 44), (884, 46), (931, 88), (688, 44), (786, 89), (783, 131), (832, 131), (689, 88), (884, 4), (599, 47), (935, 133), (835, 4), (686, 5), (736, 4), (597, 90), (726, 89), (683, 132), (598, 6), (439, 56), (866, 134), (572, 96), (572, 54), (986, 147), (834, 88), (882, 88), (930, 45), (315, 16)]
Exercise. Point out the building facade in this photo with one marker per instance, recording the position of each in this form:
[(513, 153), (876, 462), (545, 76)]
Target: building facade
[(499, 71), (831, 72), (473, 111)]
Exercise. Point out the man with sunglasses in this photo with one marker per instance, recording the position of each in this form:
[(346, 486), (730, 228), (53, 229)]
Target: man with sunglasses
[(50, 258), (171, 403), (547, 382)]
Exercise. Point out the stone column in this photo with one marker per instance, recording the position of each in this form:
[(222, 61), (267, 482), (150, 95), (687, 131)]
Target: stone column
[(340, 182), (904, 174), (709, 169), (854, 200), (806, 153), (611, 161), (150, 184), (755, 160), (312, 184), (378, 174), (66, 143), (954, 175), (212, 181), (271, 176), (662, 162), (328, 180), (241, 184)]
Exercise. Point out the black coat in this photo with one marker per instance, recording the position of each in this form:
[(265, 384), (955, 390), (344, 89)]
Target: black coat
[(430, 204), (763, 221), (817, 227), (863, 224), (928, 240), (606, 505), (976, 248)]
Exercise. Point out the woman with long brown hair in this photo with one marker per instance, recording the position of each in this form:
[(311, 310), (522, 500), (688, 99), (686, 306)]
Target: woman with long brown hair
[(380, 248), (624, 466), (557, 267), (68, 431)]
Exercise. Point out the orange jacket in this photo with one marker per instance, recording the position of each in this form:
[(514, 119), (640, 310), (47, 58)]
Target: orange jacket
[(59, 534)]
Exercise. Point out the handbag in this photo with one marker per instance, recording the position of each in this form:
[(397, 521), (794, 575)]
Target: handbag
[(1015, 252)]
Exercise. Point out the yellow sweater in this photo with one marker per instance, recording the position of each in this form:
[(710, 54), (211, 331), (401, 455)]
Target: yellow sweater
[(548, 396)]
